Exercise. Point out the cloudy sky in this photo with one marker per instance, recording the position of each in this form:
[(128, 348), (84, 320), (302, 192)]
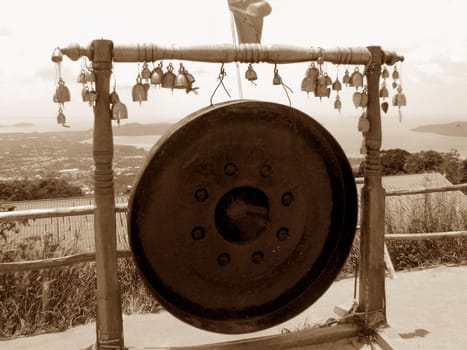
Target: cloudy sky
[(432, 35)]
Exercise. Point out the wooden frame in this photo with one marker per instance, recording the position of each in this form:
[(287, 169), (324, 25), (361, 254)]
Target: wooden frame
[(102, 53)]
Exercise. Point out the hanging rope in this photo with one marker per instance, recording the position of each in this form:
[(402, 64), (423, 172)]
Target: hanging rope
[(221, 77), (237, 65)]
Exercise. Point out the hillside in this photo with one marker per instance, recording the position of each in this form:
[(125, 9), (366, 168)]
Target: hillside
[(458, 129)]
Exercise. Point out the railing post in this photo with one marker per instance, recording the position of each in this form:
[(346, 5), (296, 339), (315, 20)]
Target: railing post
[(109, 326), (371, 280)]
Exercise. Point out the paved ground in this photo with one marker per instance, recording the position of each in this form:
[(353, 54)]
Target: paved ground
[(427, 308)]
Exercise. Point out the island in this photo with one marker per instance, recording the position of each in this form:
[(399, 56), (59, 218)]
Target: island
[(458, 129)]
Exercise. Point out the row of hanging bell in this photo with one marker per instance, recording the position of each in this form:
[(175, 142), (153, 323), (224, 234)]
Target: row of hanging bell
[(61, 95), (87, 78), (353, 80), (360, 99), (183, 80), (320, 83)]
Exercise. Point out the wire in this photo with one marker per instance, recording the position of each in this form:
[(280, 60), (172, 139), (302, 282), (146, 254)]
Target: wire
[(221, 77)]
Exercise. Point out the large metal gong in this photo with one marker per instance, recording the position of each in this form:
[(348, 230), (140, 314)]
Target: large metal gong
[(242, 216)]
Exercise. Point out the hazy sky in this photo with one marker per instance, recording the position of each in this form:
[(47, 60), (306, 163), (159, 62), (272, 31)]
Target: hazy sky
[(432, 35)]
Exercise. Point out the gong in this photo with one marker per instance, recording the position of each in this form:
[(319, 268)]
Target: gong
[(242, 216)]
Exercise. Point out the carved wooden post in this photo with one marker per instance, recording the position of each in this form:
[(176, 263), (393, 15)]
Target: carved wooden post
[(109, 315), (371, 282)]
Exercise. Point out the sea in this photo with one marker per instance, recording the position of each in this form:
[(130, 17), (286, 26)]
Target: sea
[(350, 142), (344, 130)]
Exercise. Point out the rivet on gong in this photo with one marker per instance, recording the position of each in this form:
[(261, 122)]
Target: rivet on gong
[(198, 233), (223, 259), (282, 234), (287, 199), (230, 169), (266, 170), (257, 257), (201, 194)]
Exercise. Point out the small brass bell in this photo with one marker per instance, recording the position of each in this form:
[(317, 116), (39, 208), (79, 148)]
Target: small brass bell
[(139, 92), (277, 80), (385, 73), (191, 79), (61, 119), (310, 80), (308, 84), (346, 78), (91, 97), (394, 84), (118, 110), (385, 107), (168, 79), (145, 72), (85, 94), (395, 74), (82, 77), (337, 86), (356, 79), (90, 77), (383, 92), (357, 99), (62, 94), (338, 103), (57, 55), (363, 123), (327, 80), (157, 74), (250, 74), (321, 89), (399, 99), (181, 81)]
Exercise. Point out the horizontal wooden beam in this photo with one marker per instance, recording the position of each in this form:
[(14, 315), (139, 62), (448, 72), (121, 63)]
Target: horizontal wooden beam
[(422, 190), (55, 262), (427, 235), (18, 215), (293, 340), (227, 53)]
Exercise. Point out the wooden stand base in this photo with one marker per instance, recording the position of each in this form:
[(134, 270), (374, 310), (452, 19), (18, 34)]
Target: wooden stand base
[(293, 340)]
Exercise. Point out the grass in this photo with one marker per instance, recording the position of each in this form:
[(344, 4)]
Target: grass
[(55, 299), (432, 212)]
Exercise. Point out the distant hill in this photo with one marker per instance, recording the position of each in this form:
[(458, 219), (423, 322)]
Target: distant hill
[(17, 125), (137, 129), (458, 129)]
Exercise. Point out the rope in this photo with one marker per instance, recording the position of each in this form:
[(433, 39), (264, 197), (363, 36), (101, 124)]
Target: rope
[(237, 65)]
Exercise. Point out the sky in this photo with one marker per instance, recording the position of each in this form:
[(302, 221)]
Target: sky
[(432, 36)]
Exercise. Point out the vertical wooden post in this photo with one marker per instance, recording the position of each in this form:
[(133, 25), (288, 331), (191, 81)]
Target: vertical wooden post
[(109, 327), (371, 281)]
